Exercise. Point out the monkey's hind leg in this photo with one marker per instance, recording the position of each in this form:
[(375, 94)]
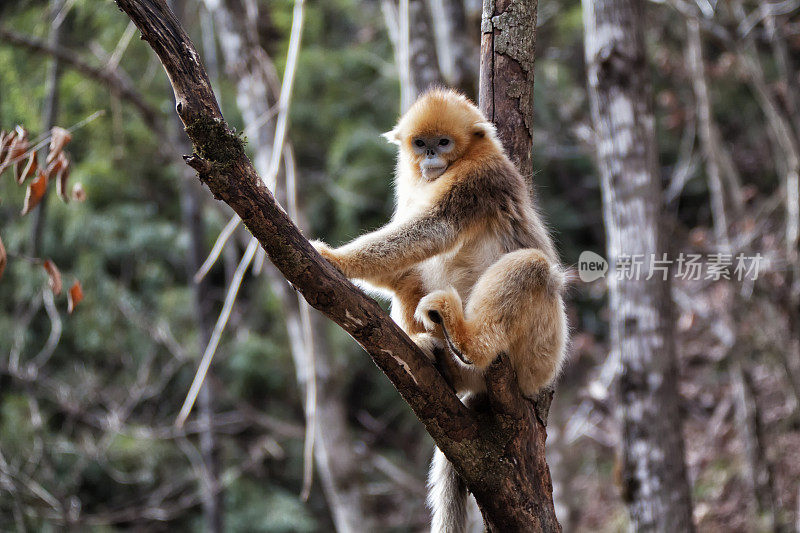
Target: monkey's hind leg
[(516, 298)]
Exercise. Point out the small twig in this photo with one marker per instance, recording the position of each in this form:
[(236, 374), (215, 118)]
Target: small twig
[(55, 331), (46, 139), (216, 335), (122, 45), (110, 78), (308, 339), (286, 93), (219, 245)]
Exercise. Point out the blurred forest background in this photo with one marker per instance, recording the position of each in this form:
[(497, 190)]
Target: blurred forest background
[(88, 399)]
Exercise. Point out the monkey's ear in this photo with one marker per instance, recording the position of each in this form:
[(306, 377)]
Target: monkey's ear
[(392, 136), (484, 129)]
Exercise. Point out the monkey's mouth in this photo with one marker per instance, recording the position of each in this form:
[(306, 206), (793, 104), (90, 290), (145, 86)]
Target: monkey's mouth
[(433, 172)]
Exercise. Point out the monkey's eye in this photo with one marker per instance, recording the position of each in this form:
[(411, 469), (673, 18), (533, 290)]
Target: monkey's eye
[(444, 142), (419, 142)]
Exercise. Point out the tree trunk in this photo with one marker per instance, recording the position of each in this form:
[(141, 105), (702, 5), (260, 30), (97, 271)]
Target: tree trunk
[(211, 495), (457, 53), (508, 47), (655, 485), (49, 118), (500, 453), (423, 61), (204, 319)]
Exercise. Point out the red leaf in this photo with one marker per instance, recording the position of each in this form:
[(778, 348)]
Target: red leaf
[(61, 183), (74, 296), (55, 166), (35, 193), (15, 151), (30, 169), (55, 276)]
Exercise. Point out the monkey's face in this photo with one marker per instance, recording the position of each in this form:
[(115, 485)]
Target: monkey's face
[(433, 152)]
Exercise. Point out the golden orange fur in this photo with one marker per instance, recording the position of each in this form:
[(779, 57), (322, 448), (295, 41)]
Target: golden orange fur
[(469, 265)]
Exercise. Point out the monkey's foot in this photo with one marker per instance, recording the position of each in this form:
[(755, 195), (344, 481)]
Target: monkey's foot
[(443, 308), (436, 306)]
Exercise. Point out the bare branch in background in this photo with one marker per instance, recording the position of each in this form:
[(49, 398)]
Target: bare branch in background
[(216, 335), (113, 79), (258, 88)]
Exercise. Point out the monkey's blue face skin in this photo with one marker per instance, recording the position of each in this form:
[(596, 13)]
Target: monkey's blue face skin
[(431, 150)]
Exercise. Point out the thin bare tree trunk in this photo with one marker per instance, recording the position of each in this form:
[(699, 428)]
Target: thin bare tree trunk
[(191, 206), (788, 76), (412, 35), (655, 485), (424, 63), (204, 319), (257, 88), (760, 476), (49, 117), (456, 52), (787, 144)]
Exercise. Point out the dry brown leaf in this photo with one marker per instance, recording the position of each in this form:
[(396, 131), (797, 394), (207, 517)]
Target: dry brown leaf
[(55, 166), (16, 150), (5, 150), (3, 258), (35, 193), (20, 150), (6, 137), (78, 193), (74, 296), (55, 276), (30, 169), (61, 183), (59, 137)]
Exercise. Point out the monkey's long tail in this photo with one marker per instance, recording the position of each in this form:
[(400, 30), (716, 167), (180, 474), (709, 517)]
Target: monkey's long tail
[(447, 496)]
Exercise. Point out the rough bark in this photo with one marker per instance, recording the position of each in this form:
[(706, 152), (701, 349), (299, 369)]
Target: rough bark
[(654, 480), (508, 44), (499, 455)]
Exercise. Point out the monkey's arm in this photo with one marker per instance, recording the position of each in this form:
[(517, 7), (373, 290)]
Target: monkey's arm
[(394, 248)]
